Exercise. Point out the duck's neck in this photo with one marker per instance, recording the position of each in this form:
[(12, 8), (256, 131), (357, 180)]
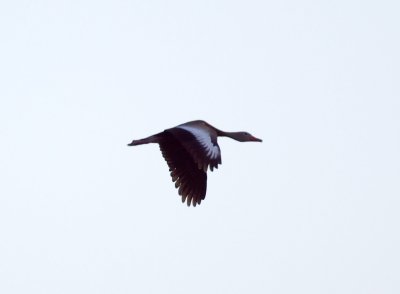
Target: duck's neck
[(232, 135)]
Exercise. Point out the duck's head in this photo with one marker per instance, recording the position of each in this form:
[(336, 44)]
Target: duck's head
[(243, 137)]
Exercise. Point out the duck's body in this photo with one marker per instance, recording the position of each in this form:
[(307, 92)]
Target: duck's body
[(190, 149)]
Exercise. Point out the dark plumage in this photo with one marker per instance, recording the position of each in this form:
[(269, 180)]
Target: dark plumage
[(189, 150)]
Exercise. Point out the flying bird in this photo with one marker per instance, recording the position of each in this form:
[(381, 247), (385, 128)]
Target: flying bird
[(190, 149)]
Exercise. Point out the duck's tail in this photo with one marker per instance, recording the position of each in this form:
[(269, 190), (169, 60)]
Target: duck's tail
[(151, 139)]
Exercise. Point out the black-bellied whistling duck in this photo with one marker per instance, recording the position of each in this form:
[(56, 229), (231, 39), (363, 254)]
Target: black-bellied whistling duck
[(189, 150)]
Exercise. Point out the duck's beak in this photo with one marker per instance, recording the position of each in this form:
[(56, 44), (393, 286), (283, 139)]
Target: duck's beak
[(256, 139)]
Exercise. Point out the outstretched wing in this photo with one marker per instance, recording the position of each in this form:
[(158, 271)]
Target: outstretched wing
[(201, 145), (191, 181)]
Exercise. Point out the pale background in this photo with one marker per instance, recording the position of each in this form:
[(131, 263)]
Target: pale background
[(312, 209)]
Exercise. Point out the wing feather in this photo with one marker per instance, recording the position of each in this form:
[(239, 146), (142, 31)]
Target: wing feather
[(202, 147), (189, 179)]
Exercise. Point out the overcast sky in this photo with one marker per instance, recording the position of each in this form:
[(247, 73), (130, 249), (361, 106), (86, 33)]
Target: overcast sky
[(312, 209)]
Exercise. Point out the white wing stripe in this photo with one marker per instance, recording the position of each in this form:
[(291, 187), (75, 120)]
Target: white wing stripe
[(205, 141)]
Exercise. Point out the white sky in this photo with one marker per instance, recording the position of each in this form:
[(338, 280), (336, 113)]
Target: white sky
[(313, 209)]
